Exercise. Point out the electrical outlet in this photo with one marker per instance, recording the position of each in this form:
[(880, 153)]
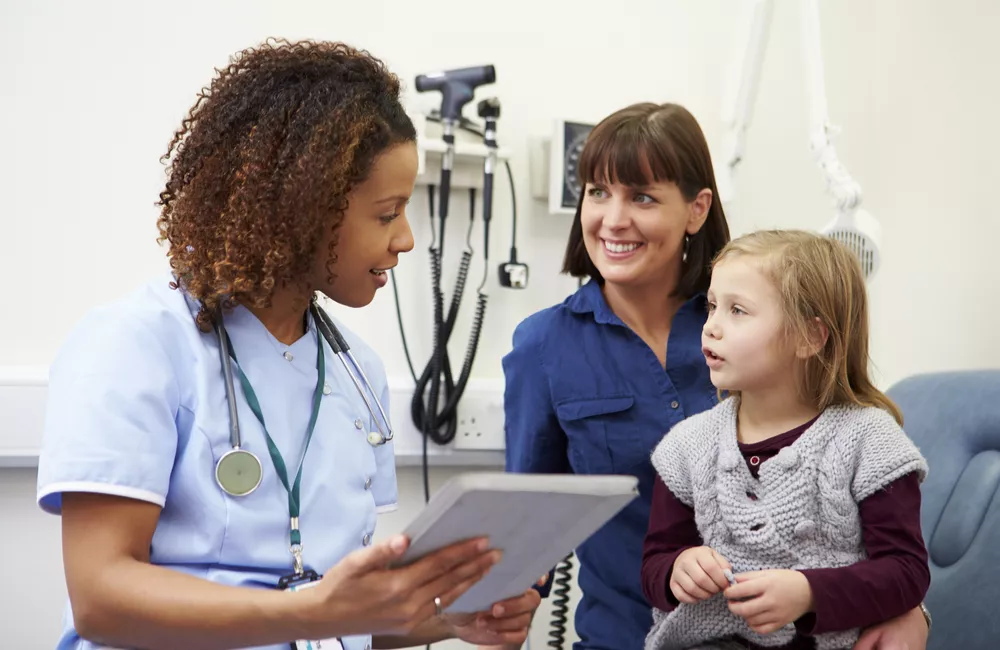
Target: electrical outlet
[(480, 417)]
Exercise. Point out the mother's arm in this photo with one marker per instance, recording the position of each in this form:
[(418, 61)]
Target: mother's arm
[(534, 440), (906, 632)]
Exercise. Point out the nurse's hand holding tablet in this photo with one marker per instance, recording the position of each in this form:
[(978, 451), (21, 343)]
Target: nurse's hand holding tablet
[(216, 443), (396, 601)]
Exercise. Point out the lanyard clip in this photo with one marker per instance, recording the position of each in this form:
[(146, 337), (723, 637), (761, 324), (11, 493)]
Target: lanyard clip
[(296, 545)]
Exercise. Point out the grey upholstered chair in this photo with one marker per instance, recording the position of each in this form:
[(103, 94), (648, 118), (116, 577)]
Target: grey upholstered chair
[(954, 417)]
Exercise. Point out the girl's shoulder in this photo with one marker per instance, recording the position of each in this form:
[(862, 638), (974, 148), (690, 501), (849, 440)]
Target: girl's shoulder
[(875, 447), (855, 423)]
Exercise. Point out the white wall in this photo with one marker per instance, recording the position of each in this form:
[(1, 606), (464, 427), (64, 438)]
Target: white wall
[(92, 92)]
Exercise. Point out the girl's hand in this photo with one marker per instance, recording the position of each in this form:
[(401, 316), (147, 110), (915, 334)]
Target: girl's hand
[(698, 574), (769, 600)]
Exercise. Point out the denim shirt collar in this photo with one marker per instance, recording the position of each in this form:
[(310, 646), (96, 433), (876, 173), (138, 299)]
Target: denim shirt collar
[(590, 299)]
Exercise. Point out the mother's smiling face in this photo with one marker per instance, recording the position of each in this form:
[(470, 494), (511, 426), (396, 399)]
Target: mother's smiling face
[(649, 195), (635, 235)]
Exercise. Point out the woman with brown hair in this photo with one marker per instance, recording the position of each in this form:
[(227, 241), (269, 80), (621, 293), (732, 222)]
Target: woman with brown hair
[(592, 384), (215, 442)]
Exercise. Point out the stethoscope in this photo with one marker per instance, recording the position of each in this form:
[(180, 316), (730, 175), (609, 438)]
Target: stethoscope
[(239, 471)]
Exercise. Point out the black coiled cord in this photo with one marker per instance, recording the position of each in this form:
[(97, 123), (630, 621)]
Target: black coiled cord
[(560, 602), (441, 424)]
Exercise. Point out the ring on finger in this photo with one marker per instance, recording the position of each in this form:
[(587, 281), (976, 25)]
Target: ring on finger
[(437, 606)]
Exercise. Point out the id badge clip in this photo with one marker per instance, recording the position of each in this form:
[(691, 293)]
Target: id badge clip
[(297, 582)]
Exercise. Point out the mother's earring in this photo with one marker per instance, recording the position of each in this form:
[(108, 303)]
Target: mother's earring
[(687, 245)]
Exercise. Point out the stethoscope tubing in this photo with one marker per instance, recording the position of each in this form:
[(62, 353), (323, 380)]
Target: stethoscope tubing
[(227, 373), (339, 346), (342, 350)]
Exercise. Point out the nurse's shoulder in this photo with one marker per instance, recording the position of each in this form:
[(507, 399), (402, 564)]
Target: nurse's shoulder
[(114, 394), (152, 322)]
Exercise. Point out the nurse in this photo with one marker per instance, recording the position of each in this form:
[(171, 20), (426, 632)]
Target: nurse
[(593, 383), (218, 466)]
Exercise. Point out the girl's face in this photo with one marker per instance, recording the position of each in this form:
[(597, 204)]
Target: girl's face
[(635, 235), (744, 339), (373, 233)]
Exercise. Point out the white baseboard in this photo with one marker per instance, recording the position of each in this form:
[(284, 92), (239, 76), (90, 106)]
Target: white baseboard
[(22, 414)]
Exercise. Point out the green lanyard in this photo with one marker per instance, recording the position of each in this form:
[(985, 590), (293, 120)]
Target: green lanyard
[(295, 536)]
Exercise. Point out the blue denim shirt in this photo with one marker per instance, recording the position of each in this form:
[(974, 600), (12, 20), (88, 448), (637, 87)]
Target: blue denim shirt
[(585, 394)]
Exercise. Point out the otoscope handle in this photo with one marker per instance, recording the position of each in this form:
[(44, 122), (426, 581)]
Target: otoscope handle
[(489, 110), (487, 210), (445, 195)]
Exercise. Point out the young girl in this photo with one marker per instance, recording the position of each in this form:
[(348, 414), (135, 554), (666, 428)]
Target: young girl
[(802, 482)]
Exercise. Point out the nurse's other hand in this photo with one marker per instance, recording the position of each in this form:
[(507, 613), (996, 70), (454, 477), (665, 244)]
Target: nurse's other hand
[(506, 623), (906, 632), (698, 574), (362, 595)]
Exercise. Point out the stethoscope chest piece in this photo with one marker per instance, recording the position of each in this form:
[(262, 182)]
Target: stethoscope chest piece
[(238, 472)]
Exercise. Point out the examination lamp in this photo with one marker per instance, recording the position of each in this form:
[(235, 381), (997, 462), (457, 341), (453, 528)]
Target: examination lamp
[(852, 226)]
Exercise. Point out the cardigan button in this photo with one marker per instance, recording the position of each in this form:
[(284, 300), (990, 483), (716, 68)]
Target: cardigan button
[(805, 529), (787, 458), (728, 460)]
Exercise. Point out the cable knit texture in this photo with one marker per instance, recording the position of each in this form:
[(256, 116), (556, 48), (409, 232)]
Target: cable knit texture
[(805, 515)]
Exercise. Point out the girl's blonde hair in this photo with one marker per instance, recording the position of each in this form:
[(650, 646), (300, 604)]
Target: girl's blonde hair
[(819, 278)]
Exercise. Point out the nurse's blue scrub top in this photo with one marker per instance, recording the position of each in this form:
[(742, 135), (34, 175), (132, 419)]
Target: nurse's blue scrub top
[(585, 394), (137, 408)]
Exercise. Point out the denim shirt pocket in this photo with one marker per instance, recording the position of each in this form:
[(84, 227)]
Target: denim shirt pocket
[(587, 422)]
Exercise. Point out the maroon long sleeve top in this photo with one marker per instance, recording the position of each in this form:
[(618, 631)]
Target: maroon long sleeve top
[(892, 581)]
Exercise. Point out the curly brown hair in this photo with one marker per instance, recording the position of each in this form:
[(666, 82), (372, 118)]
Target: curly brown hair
[(264, 162)]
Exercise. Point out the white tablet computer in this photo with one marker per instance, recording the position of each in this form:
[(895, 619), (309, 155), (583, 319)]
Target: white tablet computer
[(535, 519)]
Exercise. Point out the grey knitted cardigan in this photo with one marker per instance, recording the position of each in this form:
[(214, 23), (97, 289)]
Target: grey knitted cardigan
[(805, 515)]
